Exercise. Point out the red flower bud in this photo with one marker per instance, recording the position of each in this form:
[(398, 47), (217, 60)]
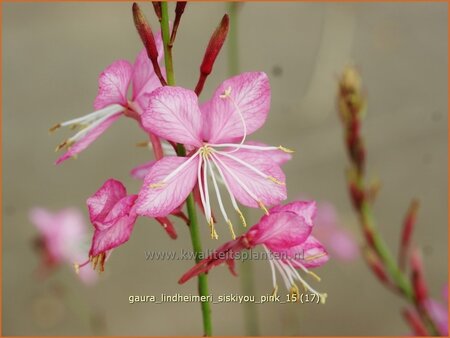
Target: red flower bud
[(157, 8), (146, 34), (376, 266), (417, 277), (415, 322), (214, 46), (408, 227)]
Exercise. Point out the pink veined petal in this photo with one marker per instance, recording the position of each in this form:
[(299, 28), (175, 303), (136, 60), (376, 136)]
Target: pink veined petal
[(141, 170), (278, 156), (305, 209), (144, 79), (265, 190), (104, 199), (90, 137), (249, 98), (113, 84), (310, 254), (280, 231), (122, 208), (439, 314), (161, 201), (173, 114), (113, 236)]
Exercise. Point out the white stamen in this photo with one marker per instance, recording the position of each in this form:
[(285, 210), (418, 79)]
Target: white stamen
[(233, 200), (216, 188), (181, 167), (207, 205), (109, 110), (243, 186), (249, 166), (200, 184), (302, 280), (272, 267), (244, 146)]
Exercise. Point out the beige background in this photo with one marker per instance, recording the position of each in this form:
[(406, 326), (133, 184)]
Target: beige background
[(52, 55)]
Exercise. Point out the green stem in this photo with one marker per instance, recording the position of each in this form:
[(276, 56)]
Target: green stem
[(165, 30), (384, 253), (192, 213)]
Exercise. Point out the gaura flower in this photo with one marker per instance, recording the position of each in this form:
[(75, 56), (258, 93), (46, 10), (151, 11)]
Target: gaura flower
[(215, 135), (62, 239), (113, 216), (285, 235), (111, 101)]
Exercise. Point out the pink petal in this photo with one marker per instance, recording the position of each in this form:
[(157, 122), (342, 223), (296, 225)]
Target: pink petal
[(310, 254), (144, 79), (104, 199), (268, 192), (250, 94), (113, 84), (173, 114), (280, 231), (304, 209), (439, 315), (141, 170), (160, 201), (114, 235), (90, 137)]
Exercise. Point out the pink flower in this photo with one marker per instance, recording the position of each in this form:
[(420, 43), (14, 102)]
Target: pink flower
[(113, 216), (340, 242), (214, 135), (63, 236), (111, 101), (285, 234)]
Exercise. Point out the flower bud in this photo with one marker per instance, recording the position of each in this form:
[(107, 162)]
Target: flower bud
[(408, 227), (212, 50), (146, 34), (417, 277)]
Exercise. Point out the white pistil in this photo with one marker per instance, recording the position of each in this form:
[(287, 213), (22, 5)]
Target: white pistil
[(205, 182), (227, 95)]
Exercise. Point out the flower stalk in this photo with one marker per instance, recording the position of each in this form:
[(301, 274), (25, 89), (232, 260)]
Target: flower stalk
[(351, 106), (192, 214)]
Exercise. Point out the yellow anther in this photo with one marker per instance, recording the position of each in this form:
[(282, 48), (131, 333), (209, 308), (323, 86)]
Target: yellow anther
[(212, 228), (99, 261), (314, 275), (294, 292), (76, 266), (275, 291), (273, 179), (286, 150), (241, 216), (230, 225), (142, 144), (56, 126), (323, 297), (310, 258), (262, 206), (156, 185), (66, 144)]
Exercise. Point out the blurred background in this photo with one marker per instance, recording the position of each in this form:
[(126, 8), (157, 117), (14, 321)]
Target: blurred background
[(52, 55)]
